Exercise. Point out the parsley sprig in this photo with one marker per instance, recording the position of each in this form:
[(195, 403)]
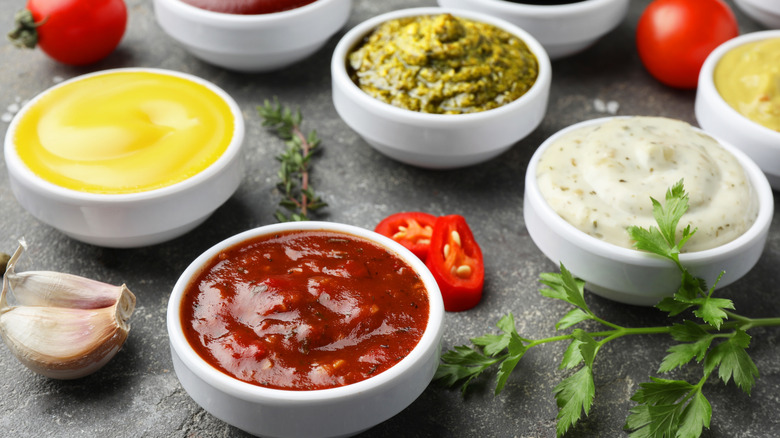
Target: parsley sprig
[(664, 408), (299, 197)]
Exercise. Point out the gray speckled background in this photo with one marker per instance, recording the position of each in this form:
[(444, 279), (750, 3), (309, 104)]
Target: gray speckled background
[(137, 394)]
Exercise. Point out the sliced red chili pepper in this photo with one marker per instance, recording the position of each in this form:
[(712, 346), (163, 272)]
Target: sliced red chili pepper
[(455, 260), (411, 229)]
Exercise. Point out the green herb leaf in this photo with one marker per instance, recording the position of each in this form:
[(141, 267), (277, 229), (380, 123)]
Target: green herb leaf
[(574, 396), (681, 354), (565, 287), (575, 316), (688, 331), (462, 364), (588, 346), (711, 310), (668, 409), (661, 240), (652, 241), (572, 357), (733, 361), (695, 417), (494, 344), (294, 171), (465, 363), (516, 351), (668, 217)]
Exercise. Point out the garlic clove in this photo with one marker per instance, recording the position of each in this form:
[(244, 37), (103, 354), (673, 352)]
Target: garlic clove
[(62, 326), (55, 289), (63, 343)]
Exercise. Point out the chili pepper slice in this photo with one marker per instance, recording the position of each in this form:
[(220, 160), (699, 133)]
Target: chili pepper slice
[(455, 260), (411, 229)]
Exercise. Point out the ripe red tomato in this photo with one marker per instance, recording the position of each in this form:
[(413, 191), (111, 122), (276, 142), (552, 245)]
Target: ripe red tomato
[(78, 32), (674, 37)]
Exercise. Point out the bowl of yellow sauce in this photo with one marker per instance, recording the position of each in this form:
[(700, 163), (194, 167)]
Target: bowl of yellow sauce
[(738, 97), (126, 157)]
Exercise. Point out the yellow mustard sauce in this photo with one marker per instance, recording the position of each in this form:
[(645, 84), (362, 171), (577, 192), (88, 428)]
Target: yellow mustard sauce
[(748, 78), (124, 132)]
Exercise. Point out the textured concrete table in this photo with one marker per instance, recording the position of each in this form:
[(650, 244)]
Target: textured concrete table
[(137, 394)]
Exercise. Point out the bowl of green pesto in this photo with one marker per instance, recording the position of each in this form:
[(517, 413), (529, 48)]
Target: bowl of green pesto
[(440, 88)]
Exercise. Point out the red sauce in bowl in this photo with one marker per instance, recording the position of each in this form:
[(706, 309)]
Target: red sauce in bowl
[(248, 7), (305, 310)]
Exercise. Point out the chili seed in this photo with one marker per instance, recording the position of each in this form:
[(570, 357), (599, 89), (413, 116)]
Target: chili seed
[(446, 250), (463, 271), (455, 237)]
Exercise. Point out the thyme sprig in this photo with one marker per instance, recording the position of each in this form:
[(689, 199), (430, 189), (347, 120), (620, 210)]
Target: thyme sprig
[(294, 172), (664, 408)]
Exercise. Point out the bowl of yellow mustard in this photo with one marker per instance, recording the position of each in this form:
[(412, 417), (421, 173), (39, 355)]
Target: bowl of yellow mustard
[(738, 97), (126, 157), (440, 88)]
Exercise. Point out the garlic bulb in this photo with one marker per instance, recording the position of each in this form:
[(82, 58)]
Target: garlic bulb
[(60, 325)]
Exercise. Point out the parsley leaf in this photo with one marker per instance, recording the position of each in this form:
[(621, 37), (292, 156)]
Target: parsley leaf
[(733, 361), (668, 409), (574, 395), (464, 363), (565, 287)]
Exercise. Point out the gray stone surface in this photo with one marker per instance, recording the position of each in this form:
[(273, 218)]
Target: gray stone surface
[(137, 394)]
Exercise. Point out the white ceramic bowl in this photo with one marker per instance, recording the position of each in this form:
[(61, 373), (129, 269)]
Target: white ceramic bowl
[(133, 219), (437, 141), (717, 117), (631, 276), (563, 30), (766, 12), (339, 411), (252, 43)]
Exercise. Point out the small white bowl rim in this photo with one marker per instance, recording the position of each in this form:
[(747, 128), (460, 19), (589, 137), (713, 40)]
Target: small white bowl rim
[(535, 11), (767, 5), (205, 15), (254, 393), (39, 184), (708, 82), (351, 38), (632, 256)]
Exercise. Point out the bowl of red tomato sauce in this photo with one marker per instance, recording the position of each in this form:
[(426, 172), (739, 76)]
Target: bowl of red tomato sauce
[(312, 329)]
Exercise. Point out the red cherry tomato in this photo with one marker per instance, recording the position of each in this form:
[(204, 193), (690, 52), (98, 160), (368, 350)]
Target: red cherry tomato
[(76, 32), (455, 260), (674, 37), (411, 229)]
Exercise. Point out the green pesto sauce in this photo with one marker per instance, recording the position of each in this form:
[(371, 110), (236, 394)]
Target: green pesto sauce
[(443, 65)]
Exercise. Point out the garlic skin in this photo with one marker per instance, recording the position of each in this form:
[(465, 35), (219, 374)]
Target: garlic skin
[(62, 326)]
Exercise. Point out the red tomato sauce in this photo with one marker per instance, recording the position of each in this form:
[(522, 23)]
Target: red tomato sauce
[(305, 310), (248, 7)]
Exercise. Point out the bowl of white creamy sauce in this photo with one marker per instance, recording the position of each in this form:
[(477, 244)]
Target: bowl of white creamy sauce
[(588, 183)]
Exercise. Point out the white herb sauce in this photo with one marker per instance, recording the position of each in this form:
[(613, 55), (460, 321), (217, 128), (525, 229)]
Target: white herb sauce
[(600, 179)]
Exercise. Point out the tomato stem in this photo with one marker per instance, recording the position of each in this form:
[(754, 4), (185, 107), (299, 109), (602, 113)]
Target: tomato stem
[(25, 34)]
